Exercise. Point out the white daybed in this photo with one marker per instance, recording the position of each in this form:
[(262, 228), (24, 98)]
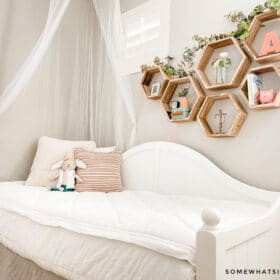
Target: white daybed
[(153, 229)]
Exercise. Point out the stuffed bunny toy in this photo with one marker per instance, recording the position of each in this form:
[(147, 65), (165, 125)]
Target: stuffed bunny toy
[(67, 174)]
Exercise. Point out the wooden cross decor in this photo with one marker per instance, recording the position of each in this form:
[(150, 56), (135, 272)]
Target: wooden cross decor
[(222, 118)]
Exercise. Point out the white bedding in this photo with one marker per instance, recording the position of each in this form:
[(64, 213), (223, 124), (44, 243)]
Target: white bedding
[(166, 224), (83, 257)]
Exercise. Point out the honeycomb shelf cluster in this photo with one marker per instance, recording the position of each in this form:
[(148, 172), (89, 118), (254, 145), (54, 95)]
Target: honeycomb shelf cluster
[(201, 106)]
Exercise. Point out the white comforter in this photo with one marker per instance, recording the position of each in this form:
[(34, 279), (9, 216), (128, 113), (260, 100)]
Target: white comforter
[(76, 256), (164, 223)]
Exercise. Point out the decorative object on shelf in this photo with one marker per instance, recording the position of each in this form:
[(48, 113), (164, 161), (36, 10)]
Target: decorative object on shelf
[(165, 65), (255, 102), (182, 94), (267, 96), (180, 113), (180, 109), (271, 44), (155, 89), (166, 100), (254, 82), (270, 50), (174, 104), (148, 78), (205, 110), (222, 118), (223, 62)]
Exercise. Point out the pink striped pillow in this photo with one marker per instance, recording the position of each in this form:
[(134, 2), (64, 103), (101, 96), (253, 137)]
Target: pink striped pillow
[(102, 173)]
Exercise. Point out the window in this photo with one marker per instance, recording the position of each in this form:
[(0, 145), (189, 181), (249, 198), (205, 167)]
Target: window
[(146, 30)]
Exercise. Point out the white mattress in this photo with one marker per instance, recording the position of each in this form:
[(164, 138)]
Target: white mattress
[(59, 231), (166, 224), (78, 256)]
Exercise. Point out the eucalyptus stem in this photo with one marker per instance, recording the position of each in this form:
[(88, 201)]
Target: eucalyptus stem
[(242, 22)]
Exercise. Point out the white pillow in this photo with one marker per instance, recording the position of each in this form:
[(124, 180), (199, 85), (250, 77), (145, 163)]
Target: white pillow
[(50, 151)]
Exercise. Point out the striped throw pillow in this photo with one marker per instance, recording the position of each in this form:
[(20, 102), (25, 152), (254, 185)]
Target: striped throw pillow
[(102, 172)]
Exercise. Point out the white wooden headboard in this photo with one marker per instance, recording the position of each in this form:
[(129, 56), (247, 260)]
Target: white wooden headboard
[(176, 169)]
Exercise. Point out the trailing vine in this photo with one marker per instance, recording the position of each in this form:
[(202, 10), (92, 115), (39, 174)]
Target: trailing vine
[(242, 22)]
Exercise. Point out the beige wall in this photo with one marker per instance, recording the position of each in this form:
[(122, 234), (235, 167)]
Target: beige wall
[(252, 156), (21, 23)]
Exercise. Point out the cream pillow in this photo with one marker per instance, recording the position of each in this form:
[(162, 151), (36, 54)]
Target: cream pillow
[(50, 151)]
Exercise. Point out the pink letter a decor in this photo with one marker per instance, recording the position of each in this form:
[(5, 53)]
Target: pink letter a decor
[(271, 44)]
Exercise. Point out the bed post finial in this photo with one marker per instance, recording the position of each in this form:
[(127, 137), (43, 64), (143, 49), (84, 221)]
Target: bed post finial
[(211, 218)]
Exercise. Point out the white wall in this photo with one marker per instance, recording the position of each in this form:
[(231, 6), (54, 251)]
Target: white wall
[(20, 25), (253, 155)]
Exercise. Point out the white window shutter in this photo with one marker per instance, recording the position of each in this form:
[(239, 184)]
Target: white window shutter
[(147, 29)]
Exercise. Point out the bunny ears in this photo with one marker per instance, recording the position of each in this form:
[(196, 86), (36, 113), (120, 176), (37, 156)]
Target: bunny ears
[(78, 163), (69, 155)]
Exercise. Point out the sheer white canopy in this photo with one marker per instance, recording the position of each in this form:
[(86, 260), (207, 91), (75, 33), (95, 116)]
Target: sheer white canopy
[(82, 55), (110, 20), (57, 10)]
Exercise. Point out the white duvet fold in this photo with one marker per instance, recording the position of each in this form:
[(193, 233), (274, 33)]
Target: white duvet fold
[(164, 223), (76, 256)]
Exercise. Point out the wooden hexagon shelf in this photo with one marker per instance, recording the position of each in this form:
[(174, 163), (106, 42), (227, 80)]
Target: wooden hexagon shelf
[(256, 24), (147, 80), (238, 73), (170, 90), (205, 110), (258, 71)]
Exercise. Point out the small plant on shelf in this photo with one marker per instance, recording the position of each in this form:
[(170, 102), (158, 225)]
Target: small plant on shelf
[(165, 64), (221, 64), (183, 111), (182, 94)]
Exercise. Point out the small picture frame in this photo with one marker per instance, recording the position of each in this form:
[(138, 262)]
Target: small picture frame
[(155, 89), (174, 104)]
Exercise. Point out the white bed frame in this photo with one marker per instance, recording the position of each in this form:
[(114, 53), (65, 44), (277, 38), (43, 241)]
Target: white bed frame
[(175, 169)]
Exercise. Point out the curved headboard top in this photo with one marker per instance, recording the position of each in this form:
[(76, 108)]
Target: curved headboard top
[(171, 168)]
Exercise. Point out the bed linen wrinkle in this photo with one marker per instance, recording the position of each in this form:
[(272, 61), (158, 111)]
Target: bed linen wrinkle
[(166, 224), (83, 257)]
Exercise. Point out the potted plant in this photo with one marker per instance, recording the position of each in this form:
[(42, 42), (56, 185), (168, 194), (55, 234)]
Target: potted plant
[(184, 110), (184, 102), (221, 64)]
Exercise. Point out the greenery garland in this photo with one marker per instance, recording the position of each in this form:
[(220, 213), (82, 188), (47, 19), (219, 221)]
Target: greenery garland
[(242, 22)]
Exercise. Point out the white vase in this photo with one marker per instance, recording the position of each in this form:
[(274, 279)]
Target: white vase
[(221, 75)]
